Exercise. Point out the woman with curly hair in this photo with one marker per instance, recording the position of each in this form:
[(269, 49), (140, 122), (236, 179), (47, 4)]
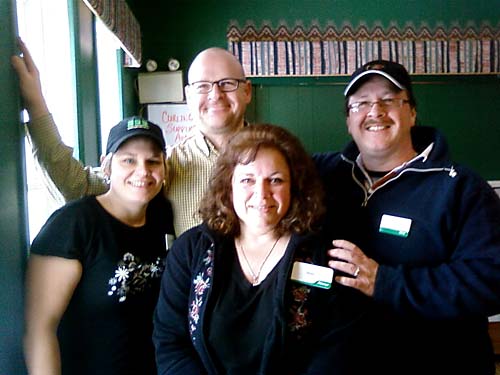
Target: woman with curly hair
[(246, 292)]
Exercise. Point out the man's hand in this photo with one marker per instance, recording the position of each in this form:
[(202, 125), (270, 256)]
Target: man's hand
[(349, 259)]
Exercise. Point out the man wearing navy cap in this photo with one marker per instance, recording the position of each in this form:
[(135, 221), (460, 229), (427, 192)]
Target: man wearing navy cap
[(417, 234)]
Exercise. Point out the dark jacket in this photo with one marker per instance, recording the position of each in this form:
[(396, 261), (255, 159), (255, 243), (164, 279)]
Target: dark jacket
[(438, 283), (306, 332)]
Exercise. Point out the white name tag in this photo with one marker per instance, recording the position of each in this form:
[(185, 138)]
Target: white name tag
[(169, 240), (395, 225), (312, 275)]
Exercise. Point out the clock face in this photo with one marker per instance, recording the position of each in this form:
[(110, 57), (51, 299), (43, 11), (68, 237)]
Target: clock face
[(173, 64), (151, 65)]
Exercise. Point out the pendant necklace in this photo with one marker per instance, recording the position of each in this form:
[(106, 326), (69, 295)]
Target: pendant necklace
[(255, 276)]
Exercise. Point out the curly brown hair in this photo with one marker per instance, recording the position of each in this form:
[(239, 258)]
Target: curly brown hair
[(306, 203)]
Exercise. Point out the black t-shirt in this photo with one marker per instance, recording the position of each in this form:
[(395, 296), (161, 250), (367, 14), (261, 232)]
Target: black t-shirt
[(107, 326), (239, 322)]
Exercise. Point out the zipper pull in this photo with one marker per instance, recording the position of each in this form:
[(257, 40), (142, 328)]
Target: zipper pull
[(452, 172)]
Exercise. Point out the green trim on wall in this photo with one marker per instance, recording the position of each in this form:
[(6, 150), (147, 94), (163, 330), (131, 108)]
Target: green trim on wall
[(13, 217), (86, 83)]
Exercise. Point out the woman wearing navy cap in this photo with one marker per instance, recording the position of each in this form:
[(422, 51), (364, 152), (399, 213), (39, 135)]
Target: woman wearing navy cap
[(94, 270)]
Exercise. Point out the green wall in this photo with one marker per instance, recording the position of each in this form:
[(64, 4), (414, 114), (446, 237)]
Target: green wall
[(463, 107), (13, 236), (183, 27)]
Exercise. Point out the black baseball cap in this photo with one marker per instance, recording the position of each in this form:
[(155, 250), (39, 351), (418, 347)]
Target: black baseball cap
[(133, 127), (394, 72)]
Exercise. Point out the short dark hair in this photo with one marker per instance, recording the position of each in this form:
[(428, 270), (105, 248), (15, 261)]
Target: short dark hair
[(306, 204)]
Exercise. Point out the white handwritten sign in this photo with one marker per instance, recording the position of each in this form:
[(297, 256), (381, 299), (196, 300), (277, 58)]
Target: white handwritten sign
[(175, 120)]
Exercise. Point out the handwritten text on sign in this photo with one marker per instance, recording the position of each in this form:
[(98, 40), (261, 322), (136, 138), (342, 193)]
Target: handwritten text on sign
[(175, 120)]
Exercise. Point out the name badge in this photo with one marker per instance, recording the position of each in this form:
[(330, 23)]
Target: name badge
[(312, 275), (169, 240), (395, 225)]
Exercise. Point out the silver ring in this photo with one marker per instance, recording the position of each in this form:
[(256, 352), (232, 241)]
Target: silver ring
[(356, 273)]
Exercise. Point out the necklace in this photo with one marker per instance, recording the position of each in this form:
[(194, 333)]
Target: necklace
[(255, 276)]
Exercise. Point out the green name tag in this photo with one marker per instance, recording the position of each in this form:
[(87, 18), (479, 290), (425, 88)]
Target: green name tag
[(395, 225), (312, 275)]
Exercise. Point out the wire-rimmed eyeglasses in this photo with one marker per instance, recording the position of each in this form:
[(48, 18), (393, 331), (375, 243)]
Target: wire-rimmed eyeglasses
[(366, 106), (224, 84)]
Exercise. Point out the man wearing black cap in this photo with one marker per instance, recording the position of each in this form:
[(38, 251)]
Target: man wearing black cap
[(418, 235)]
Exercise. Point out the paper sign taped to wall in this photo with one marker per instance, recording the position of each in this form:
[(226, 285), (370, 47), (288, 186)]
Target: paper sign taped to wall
[(175, 120)]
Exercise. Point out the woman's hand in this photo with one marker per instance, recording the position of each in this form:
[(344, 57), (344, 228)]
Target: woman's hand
[(349, 259), (29, 82)]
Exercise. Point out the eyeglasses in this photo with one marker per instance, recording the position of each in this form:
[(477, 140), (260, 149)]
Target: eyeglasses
[(225, 85), (364, 107)]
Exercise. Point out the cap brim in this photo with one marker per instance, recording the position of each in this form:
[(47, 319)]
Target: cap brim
[(365, 73)]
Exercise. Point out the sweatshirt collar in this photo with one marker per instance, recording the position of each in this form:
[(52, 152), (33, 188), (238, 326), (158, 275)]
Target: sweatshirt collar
[(373, 184)]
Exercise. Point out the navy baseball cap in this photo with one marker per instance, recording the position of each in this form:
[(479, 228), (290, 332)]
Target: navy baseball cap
[(133, 127), (394, 72)]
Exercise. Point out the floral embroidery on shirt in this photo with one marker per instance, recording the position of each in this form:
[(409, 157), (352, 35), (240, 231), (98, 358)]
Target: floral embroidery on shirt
[(201, 284), (299, 319), (298, 309), (132, 276)]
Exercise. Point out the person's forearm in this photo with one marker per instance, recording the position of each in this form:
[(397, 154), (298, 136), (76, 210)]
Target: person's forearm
[(58, 164), (42, 354), (37, 108)]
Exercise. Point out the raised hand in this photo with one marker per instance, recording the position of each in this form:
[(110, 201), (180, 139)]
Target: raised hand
[(29, 82)]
